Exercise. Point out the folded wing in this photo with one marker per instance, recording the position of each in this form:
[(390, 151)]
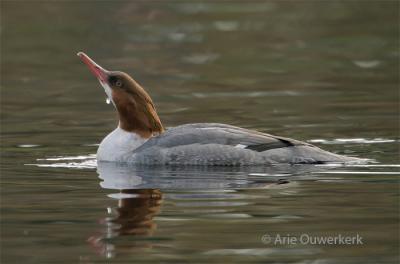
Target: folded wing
[(220, 134)]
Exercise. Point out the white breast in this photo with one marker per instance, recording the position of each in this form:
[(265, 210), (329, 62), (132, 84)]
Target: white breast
[(117, 144)]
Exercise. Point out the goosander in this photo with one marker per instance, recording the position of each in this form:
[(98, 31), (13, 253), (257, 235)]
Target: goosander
[(140, 137)]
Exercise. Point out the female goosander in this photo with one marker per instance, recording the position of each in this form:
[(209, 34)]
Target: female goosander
[(140, 138)]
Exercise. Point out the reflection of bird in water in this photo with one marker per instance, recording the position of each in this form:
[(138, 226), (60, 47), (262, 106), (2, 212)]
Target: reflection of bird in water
[(130, 225), (134, 217)]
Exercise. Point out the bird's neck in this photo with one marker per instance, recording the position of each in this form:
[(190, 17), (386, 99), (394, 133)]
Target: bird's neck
[(138, 115)]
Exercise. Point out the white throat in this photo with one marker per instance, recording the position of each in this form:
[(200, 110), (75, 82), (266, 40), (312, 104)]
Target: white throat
[(108, 91), (118, 145)]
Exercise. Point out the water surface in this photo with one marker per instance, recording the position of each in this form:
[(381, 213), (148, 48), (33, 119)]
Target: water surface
[(323, 72)]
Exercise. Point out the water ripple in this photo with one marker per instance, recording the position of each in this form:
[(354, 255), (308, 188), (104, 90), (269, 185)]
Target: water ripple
[(353, 141)]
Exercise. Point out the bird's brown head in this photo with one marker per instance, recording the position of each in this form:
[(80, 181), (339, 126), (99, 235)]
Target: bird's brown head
[(135, 108)]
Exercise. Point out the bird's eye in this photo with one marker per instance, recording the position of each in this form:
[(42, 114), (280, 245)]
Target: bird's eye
[(118, 83)]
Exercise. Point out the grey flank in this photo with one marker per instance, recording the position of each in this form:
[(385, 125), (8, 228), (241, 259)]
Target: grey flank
[(219, 144)]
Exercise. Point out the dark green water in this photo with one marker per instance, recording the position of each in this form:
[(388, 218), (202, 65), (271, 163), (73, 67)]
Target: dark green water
[(319, 71)]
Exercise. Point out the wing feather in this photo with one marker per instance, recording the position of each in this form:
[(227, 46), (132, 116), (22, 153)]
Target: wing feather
[(218, 134)]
